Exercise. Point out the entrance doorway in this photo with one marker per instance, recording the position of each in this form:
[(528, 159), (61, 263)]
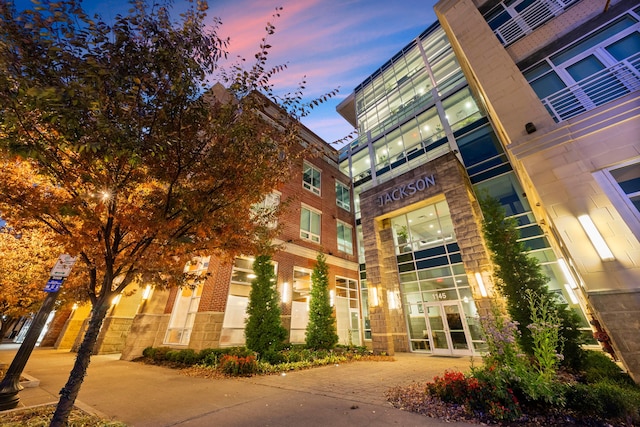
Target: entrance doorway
[(446, 328)]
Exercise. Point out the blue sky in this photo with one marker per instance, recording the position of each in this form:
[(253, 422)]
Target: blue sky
[(335, 44)]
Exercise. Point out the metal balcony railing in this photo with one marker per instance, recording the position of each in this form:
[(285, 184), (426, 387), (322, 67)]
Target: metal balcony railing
[(604, 86), (530, 18)]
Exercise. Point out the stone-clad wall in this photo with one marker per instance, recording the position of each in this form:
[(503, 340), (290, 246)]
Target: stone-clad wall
[(388, 327)]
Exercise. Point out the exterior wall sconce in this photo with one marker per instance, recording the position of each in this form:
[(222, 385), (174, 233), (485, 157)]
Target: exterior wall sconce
[(393, 300), (596, 238), (530, 128), (374, 297), (284, 297), (116, 299), (332, 297), (146, 293), (483, 289)]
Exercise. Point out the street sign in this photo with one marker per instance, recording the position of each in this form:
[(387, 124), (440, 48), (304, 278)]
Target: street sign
[(53, 285), (63, 266)]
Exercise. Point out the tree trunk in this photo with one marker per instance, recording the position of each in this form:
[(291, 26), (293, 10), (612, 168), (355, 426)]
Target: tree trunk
[(70, 391)]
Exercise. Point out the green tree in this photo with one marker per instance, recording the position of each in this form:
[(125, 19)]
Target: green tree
[(321, 329), (264, 331), (112, 137), (519, 278)]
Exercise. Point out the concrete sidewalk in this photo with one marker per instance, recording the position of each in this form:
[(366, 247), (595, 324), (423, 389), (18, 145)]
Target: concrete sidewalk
[(142, 395)]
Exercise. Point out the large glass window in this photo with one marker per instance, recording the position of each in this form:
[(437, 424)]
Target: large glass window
[(301, 294), (310, 224), (311, 178), (423, 228), (345, 238), (361, 167), (343, 198), (235, 313), (461, 109), (598, 68), (347, 311), (186, 305), (509, 192)]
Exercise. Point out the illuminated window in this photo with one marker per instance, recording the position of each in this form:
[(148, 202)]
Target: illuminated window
[(347, 311), (300, 295), (186, 305)]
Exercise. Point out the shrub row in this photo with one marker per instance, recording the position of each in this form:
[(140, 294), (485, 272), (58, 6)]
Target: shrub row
[(241, 361), (189, 357), (504, 393)]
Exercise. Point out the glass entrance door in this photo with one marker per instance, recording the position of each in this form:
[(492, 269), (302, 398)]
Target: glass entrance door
[(448, 332)]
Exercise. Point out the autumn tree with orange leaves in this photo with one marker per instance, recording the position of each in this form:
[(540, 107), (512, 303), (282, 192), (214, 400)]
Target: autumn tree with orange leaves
[(112, 137), (26, 260)]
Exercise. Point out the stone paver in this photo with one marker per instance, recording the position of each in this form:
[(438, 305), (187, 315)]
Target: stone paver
[(141, 395)]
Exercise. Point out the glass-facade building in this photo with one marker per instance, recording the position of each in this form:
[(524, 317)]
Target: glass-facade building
[(414, 109)]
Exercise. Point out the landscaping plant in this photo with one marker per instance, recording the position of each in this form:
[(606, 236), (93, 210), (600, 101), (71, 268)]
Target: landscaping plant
[(321, 329), (264, 331), (518, 276)]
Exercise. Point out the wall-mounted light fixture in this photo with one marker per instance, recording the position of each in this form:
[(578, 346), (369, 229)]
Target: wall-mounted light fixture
[(394, 304), (596, 238), (332, 297), (116, 299), (530, 128), (284, 297), (146, 293), (374, 297), (483, 290)]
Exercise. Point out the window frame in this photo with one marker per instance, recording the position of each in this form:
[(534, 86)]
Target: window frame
[(310, 186), (344, 247), (339, 198), (309, 234), (618, 197), (186, 305)]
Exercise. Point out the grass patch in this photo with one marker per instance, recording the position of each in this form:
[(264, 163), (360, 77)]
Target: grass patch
[(40, 416)]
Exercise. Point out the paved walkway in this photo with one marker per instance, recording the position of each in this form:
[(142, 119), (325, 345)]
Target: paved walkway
[(141, 395)]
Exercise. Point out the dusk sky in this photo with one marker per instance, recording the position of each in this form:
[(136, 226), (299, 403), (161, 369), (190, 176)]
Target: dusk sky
[(335, 44)]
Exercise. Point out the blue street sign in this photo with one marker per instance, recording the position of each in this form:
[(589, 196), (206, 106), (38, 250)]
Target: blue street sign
[(53, 285)]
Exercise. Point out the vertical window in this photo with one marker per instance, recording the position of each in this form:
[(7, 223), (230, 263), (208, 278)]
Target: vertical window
[(311, 179), (186, 305), (345, 238), (347, 311), (310, 224), (628, 179), (343, 198), (301, 293), (264, 211)]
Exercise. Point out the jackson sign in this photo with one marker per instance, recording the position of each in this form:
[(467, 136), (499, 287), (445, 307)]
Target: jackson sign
[(406, 190)]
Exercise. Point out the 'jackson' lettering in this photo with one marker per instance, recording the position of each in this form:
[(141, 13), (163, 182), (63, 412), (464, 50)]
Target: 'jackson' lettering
[(407, 190)]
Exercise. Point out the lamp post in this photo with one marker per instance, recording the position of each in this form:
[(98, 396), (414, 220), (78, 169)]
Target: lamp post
[(10, 385)]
